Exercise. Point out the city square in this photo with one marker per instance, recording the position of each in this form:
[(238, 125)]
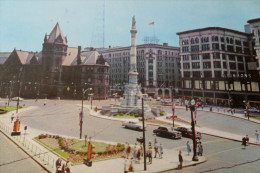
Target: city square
[(119, 105)]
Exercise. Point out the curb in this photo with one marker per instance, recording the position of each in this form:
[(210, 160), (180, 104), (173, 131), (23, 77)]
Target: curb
[(45, 168)]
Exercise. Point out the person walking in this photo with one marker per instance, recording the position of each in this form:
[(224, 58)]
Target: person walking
[(200, 149), (67, 166), (257, 136), (135, 151), (150, 153), (156, 150), (128, 150), (247, 140), (180, 160), (188, 148), (58, 165), (161, 151), (125, 153), (12, 118), (244, 142)]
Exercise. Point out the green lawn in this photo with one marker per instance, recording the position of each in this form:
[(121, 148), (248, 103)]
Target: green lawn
[(255, 117), (8, 108), (79, 145)]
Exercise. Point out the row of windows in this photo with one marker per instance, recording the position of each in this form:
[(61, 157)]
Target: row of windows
[(216, 64), (214, 39)]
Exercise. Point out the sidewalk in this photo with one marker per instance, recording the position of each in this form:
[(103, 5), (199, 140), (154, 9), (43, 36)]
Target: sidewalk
[(47, 159), (224, 111)]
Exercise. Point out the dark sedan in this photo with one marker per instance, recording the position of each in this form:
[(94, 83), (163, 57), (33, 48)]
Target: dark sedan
[(186, 132)]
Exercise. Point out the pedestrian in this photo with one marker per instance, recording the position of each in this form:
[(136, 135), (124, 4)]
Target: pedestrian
[(161, 150), (188, 148), (244, 142), (67, 166), (180, 160), (200, 149), (131, 168), (58, 165), (186, 107), (138, 154), (247, 140), (197, 148), (141, 150), (155, 141), (125, 153), (12, 118), (149, 153), (134, 151), (128, 150), (156, 150), (257, 136)]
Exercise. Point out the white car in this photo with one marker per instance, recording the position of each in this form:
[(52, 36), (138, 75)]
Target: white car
[(16, 99), (253, 109), (133, 125)]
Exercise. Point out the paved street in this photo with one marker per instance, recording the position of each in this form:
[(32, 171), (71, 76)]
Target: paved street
[(219, 122), (223, 155), (14, 160), (226, 156)]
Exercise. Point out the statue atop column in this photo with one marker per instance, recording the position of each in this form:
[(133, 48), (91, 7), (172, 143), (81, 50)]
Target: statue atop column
[(133, 22)]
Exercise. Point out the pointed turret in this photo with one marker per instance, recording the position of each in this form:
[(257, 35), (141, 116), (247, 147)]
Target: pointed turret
[(56, 35)]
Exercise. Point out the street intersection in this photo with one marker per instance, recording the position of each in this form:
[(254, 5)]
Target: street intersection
[(223, 155)]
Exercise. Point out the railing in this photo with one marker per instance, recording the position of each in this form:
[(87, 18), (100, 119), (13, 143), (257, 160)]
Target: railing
[(30, 147)]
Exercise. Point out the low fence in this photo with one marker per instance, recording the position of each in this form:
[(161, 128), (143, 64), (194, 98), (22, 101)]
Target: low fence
[(30, 147)]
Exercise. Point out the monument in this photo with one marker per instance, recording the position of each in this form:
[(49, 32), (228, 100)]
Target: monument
[(132, 93), (132, 98)]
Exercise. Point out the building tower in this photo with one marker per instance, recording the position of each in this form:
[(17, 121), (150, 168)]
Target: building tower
[(132, 93), (54, 51)]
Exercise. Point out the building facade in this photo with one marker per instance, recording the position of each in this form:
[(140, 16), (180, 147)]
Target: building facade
[(157, 65), (56, 71), (214, 66)]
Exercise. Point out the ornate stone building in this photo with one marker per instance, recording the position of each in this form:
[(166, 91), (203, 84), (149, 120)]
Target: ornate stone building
[(57, 71)]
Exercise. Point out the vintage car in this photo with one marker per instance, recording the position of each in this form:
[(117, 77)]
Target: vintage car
[(186, 132), (167, 132), (133, 125)]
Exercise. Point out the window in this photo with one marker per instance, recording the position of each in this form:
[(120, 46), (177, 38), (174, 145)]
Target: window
[(227, 40), (185, 57), (237, 42), (241, 66), (245, 43), (216, 56), (186, 74), (195, 48), (205, 56), (204, 39), (205, 47), (222, 39), (186, 65), (223, 47), (215, 46), (192, 41), (185, 42), (195, 57), (232, 65), (185, 49), (214, 38), (231, 41), (217, 64), (197, 39), (230, 48), (206, 65), (232, 57), (195, 65)]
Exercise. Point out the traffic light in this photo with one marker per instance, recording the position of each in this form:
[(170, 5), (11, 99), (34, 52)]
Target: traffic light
[(91, 151), (16, 128)]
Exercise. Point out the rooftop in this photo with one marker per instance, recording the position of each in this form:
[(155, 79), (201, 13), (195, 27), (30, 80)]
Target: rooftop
[(253, 20)]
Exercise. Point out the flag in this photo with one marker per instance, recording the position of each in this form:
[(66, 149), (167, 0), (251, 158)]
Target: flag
[(151, 23)]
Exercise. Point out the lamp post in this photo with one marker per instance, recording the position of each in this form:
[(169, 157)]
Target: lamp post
[(192, 109), (143, 134), (81, 112)]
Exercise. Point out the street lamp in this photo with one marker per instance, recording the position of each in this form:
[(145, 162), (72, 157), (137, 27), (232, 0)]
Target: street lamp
[(81, 112), (192, 109)]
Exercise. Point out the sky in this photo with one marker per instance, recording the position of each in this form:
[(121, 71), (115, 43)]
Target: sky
[(24, 23)]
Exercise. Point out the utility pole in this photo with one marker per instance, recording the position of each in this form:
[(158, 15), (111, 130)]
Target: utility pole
[(81, 112), (192, 109), (143, 134)]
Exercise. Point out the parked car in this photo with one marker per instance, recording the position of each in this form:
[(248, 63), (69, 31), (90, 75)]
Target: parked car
[(186, 132), (167, 132), (253, 109), (16, 99), (133, 125)]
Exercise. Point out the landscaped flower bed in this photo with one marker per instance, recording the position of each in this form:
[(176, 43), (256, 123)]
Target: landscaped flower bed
[(76, 149)]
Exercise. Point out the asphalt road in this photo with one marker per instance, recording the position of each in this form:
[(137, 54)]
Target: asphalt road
[(226, 156), (223, 155), (14, 160)]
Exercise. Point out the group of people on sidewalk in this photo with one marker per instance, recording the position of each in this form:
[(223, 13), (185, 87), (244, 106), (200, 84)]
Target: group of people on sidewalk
[(62, 167), (199, 148), (158, 150)]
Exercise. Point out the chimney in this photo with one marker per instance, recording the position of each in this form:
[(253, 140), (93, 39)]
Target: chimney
[(165, 44), (79, 55)]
